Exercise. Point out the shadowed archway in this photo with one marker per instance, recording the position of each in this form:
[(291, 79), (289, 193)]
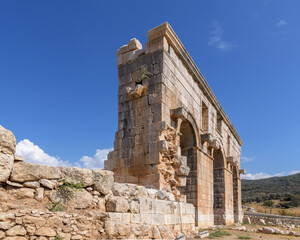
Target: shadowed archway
[(219, 188), (235, 194)]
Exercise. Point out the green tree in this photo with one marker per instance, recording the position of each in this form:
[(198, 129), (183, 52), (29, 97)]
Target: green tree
[(270, 204)]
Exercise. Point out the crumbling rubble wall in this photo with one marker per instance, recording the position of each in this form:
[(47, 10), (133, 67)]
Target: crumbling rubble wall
[(44, 202)]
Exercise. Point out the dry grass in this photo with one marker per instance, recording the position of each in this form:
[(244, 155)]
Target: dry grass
[(294, 212)]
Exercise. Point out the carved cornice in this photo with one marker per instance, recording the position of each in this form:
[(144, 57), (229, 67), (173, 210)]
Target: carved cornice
[(166, 30)]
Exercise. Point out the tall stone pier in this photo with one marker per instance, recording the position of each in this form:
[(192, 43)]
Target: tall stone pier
[(172, 133)]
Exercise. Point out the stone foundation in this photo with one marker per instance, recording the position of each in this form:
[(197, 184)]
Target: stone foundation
[(43, 202)]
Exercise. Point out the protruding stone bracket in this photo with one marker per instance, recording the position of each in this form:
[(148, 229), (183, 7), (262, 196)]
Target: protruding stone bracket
[(242, 171), (212, 142), (137, 92)]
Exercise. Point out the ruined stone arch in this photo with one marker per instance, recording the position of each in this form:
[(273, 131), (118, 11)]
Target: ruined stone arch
[(180, 115)]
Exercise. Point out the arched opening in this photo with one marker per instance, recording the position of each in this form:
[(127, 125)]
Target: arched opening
[(219, 188), (188, 148), (235, 195)]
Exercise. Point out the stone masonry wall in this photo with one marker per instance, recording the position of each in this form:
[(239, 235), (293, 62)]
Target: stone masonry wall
[(43, 202)]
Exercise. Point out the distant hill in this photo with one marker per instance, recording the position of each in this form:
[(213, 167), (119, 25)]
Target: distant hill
[(270, 188)]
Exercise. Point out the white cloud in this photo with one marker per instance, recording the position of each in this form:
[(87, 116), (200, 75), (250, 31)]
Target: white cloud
[(281, 23), (294, 172), (97, 161), (34, 154), (260, 175), (216, 38), (245, 159)]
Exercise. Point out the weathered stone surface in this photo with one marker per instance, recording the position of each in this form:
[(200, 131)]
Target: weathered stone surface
[(14, 184), (46, 232), (19, 158), (156, 233), (47, 183), (2, 234), (81, 175), (7, 216), (82, 199), (25, 172), (39, 195), (268, 230), (120, 189), (103, 180), (16, 231), (7, 141), (134, 207), (117, 204), (24, 193), (6, 225), (31, 184), (161, 194), (183, 171), (17, 238), (6, 164)]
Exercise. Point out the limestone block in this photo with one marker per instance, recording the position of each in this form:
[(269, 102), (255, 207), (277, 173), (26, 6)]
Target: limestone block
[(158, 219), (183, 171), (163, 146), (2, 234), (39, 195), (156, 233), (161, 194), (146, 218), (16, 231), (82, 199), (103, 181), (47, 183), (146, 205), (120, 189), (24, 193), (46, 232), (122, 229), (136, 218), (134, 207), (116, 204), (19, 158), (115, 216), (75, 174), (7, 142), (181, 181), (152, 193), (31, 184), (25, 172), (6, 164), (6, 225), (7, 216), (14, 184)]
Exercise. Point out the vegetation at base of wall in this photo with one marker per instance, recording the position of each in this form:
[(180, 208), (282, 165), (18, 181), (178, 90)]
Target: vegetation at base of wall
[(58, 237), (74, 184), (56, 207), (244, 237), (68, 188), (218, 233)]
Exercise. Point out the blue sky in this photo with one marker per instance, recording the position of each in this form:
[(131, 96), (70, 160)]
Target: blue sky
[(59, 80)]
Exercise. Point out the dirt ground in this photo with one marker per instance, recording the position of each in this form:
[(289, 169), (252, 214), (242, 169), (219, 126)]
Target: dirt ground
[(254, 236)]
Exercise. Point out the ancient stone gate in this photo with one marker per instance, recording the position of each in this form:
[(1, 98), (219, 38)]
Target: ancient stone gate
[(172, 133)]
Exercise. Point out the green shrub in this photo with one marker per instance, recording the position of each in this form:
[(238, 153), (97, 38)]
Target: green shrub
[(244, 237), (58, 237), (217, 234), (56, 207)]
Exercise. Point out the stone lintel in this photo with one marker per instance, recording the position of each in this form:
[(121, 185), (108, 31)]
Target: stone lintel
[(165, 30)]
